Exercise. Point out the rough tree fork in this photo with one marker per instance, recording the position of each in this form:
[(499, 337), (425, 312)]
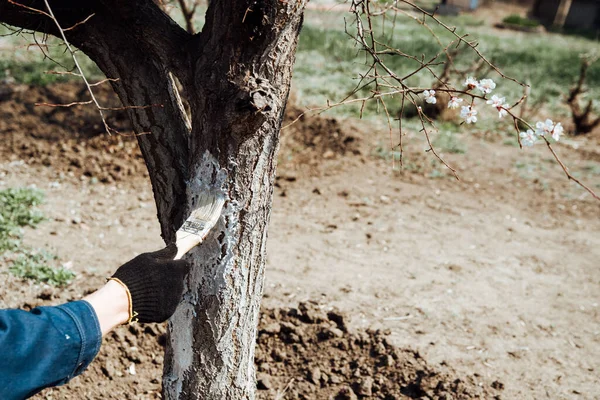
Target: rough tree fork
[(236, 76)]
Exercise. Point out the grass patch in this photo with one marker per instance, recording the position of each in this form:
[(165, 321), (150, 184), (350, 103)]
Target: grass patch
[(516, 19), (463, 20), (329, 63), (436, 174), (17, 210), (36, 266), (447, 142), (26, 64), (32, 69), (510, 142), (385, 153), (592, 169)]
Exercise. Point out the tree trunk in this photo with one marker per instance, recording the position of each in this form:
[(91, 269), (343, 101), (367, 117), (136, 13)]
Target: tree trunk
[(236, 123), (236, 76)]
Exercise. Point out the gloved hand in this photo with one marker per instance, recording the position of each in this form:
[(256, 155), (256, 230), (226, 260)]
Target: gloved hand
[(155, 284)]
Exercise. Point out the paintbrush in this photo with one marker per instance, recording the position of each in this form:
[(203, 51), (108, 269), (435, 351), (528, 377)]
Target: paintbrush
[(199, 223)]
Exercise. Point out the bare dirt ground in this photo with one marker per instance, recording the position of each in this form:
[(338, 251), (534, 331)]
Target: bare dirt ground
[(380, 283)]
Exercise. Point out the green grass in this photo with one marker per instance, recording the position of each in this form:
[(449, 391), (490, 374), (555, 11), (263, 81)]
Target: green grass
[(511, 142), (437, 174), (328, 62), (383, 151), (515, 19), (32, 69), (37, 266), (26, 63), (447, 142), (18, 208), (592, 169)]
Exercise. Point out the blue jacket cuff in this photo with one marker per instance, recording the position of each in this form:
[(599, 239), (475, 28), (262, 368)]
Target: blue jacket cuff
[(86, 321)]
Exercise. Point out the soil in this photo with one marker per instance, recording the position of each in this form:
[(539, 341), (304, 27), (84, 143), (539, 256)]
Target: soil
[(380, 284), (69, 139), (311, 354)]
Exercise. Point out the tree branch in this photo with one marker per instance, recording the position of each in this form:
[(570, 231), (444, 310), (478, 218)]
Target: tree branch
[(140, 21), (136, 45)]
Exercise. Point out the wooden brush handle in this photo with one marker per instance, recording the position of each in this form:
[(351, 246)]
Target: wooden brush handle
[(185, 242)]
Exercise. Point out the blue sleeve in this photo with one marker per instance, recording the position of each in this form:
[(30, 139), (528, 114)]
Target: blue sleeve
[(46, 346)]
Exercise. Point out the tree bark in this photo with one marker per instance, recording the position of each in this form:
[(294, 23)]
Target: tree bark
[(236, 134), (236, 75)]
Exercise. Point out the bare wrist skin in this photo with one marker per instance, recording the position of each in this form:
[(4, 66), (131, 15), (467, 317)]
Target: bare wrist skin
[(111, 304)]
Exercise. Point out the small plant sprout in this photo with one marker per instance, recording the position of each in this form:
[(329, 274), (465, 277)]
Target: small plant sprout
[(430, 96), (18, 208)]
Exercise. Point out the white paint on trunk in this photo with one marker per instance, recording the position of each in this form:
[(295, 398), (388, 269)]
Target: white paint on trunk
[(208, 177), (183, 346)]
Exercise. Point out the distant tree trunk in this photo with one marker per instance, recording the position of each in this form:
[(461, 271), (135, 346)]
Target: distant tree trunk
[(562, 13), (236, 74)]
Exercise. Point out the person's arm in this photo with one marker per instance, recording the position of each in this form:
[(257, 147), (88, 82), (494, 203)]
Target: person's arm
[(45, 347), (111, 304), (48, 346)]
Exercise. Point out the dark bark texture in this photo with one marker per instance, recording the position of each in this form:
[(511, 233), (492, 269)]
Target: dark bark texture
[(236, 75)]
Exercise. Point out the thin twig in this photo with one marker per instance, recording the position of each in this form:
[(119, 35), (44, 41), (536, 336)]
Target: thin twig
[(432, 149), (85, 81), (74, 103), (35, 10), (104, 81), (80, 23), (280, 395), (566, 171), (62, 73)]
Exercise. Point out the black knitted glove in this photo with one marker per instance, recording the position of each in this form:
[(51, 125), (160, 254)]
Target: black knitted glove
[(155, 283)]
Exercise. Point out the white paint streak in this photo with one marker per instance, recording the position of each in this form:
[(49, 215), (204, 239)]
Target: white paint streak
[(208, 177), (182, 345)]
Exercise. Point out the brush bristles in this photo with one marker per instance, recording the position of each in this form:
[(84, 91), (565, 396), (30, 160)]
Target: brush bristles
[(209, 210), (199, 223)]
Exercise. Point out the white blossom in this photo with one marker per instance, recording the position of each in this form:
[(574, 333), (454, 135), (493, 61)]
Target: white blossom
[(430, 96), (454, 102), (528, 138), (549, 128), (557, 131), (543, 128), (486, 86), (469, 114), (496, 101), (500, 105), (471, 82)]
